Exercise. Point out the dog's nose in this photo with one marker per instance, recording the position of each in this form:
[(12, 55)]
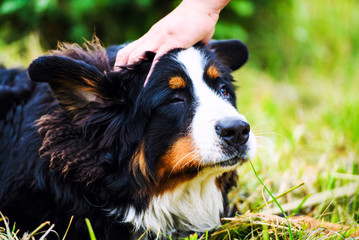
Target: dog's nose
[(233, 131)]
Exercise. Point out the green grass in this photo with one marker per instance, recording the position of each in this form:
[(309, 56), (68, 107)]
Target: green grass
[(89, 227), (9, 232), (306, 121), (304, 110), (305, 114)]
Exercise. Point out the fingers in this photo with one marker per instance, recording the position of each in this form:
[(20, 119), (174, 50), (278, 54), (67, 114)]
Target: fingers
[(162, 51), (134, 52), (128, 56), (122, 57), (208, 38)]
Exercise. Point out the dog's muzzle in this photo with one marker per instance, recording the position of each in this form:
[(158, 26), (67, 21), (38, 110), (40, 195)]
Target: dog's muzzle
[(234, 134), (233, 131)]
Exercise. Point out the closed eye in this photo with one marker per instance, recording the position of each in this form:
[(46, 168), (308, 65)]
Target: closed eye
[(177, 100)]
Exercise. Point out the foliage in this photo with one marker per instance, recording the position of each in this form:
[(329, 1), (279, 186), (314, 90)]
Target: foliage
[(113, 21)]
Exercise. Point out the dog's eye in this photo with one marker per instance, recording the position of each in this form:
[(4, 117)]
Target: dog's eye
[(224, 92), (176, 100)]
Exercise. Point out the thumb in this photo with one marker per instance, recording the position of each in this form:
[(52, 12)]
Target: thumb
[(206, 39)]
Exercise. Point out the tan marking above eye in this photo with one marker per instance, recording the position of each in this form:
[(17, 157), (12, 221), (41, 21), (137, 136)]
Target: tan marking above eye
[(177, 82), (213, 72)]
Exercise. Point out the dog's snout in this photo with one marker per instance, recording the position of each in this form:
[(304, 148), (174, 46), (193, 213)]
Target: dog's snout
[(233, 131)]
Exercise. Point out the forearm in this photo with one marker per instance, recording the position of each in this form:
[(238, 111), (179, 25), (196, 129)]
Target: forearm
[(208, 6)]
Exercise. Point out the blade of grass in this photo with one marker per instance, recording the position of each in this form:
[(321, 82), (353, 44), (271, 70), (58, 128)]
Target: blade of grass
[(6, 225), (285, 216), (158, 232), (38, 229), (13, 228), (265, 232), (279, 196), (68, 227), (143, 234), (228, 234), (295, 211), (321, 197), (47, 232), (15, 234), (89, 227), (205, 236)]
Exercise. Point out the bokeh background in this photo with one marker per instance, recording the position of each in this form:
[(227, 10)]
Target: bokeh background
[(299, 90)]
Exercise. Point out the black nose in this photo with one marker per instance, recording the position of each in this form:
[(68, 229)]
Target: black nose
[(233, 131)]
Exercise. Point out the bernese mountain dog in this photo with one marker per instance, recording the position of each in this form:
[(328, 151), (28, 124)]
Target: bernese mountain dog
[(79, 139)]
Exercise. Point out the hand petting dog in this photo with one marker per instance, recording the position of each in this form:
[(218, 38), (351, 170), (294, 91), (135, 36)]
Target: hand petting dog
[(191, 22)]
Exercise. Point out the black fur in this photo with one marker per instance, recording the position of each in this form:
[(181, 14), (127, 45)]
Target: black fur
[(68, 138)]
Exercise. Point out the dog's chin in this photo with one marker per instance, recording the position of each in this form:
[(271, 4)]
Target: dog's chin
[(234, 158), (231, 162)]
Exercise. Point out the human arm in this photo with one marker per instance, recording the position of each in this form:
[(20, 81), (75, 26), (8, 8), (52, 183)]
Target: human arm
[(191, 22)]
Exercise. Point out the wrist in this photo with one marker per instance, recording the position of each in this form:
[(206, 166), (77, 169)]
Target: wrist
[(210, 8)]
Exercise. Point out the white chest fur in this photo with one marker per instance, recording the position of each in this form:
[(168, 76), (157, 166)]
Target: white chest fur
[(194, 206)]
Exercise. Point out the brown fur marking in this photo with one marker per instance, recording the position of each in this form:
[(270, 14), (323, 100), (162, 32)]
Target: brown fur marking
[(92, 53), (181, 163), (139, 163), (213, 72), (177, 82), (226, 181), (63, 146)]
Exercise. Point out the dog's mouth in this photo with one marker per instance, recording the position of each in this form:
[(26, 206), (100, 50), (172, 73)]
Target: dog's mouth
[(229, 162), (235, 157), (230, 157)]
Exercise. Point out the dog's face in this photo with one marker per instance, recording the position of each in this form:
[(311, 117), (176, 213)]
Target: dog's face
[(151, 146), (194, 124)]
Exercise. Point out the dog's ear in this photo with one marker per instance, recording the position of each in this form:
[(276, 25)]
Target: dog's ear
[(74, 82), (232, 53)]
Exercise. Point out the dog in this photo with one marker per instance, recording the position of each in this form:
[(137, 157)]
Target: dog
[(79, 139)]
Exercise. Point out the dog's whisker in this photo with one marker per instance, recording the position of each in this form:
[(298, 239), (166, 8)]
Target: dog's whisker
[(191, 161), (182, 159), (257, 125), (262, 137), (194, 158), (262, 147), (259, 133)]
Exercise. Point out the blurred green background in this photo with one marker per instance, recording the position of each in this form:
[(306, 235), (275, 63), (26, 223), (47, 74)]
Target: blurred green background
[(282, 35), (299, 90)]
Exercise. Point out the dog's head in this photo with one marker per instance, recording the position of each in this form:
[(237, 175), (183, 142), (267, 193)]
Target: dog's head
[(193, 124), (181, 129)]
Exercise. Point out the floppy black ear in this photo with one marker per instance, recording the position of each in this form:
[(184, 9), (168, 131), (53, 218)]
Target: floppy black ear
[(74, 83), (232, 53)]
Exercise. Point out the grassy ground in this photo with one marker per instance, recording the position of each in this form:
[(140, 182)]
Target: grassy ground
[(306, 119)]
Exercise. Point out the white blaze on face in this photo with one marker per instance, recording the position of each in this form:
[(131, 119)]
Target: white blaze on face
[(210, 109)]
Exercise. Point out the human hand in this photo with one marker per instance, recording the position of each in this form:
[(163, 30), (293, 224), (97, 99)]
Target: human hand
[(191, 22)]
